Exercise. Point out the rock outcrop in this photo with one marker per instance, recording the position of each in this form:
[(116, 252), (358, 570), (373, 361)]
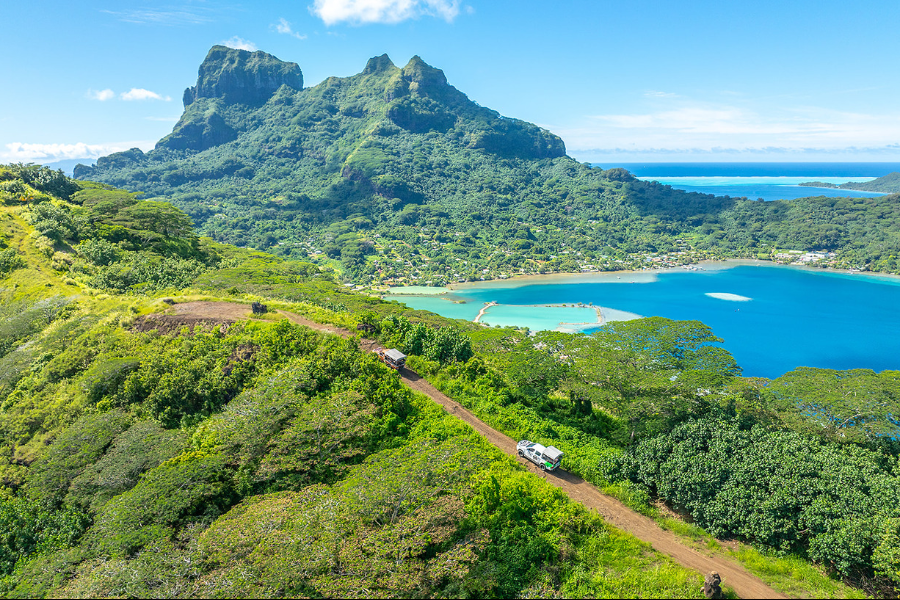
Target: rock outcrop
[(712, 586), (239, 76)]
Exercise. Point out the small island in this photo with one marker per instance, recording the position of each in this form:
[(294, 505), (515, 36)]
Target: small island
[(889, 184)]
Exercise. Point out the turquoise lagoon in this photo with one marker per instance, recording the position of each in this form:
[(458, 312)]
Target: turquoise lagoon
[(767, 188), (766, 180), (772, 318)]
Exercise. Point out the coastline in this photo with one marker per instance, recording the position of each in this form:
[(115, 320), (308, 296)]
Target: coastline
[(623, 276), (779, 328)]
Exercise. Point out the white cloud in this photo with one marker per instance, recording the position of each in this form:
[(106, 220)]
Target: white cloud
[(240, 44), (101, 95), (792, 154), (142, 94), (283, 26), (382, 11), (44, 153)]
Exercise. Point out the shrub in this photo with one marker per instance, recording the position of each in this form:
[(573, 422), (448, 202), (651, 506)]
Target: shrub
[(189, 487), (77, 447), (10, 261), (27, 528), (140, 448), (99, 252)]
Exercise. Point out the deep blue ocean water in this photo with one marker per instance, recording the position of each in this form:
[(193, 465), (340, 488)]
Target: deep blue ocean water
[(769, 181), (794, 317)]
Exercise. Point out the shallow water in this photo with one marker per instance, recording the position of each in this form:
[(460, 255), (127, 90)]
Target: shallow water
[(771, 318), (766, 180), (767, 188)]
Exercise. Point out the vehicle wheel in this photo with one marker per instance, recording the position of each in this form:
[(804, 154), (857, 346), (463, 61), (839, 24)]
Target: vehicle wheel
[(522, 454), (543, 467)]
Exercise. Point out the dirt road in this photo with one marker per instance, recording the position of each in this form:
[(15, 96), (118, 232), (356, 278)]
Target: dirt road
[(613, 511)]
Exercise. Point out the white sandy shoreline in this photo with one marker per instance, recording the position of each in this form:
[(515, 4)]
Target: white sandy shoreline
[(629, 276)]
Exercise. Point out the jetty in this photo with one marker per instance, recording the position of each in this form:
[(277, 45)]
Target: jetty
[(483, 310)]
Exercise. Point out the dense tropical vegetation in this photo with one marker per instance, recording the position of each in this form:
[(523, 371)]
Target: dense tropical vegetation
[(203, 458), (255, 458), (393, 175)]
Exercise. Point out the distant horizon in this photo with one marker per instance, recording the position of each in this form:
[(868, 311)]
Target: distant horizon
[(806, 170), (631, 160)]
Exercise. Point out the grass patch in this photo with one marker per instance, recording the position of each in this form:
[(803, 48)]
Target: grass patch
[(792, 575)]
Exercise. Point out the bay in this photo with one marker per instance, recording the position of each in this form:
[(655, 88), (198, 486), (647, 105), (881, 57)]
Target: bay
[(771, 318)]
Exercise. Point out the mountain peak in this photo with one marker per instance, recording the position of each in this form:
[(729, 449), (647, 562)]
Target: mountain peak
[(424, 75), (240, 76), (378, 64)]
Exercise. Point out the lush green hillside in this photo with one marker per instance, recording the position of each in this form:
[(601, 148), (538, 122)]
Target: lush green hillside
[(168, 456), (393, 175), (149, 455), (889, 184)]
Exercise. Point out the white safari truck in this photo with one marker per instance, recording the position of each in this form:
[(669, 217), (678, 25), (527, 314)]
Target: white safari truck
[(546, 457)]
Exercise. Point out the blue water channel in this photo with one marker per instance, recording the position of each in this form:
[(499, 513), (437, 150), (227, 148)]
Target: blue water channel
[(772, 318)]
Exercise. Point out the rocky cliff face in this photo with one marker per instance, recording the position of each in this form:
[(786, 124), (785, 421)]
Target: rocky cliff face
[(239, 76), (251, 107), (230, 82)]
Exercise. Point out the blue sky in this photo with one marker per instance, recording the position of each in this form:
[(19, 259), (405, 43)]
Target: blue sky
[(628, 81)]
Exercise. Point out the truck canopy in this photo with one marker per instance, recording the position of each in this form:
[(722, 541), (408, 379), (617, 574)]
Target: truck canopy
[(395, 355), (552, 453)]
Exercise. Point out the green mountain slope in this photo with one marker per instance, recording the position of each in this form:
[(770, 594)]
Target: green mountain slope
[(393, 175), (393, 153), (148, 455), (888, 184)]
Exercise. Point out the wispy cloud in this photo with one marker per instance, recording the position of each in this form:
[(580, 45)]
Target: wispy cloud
[(240, 44), (686, 124), (382, 11), (169, 16), (890, 152), (101, 95), (284, 27), (142, 94), (44, 153), (658, 94)]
